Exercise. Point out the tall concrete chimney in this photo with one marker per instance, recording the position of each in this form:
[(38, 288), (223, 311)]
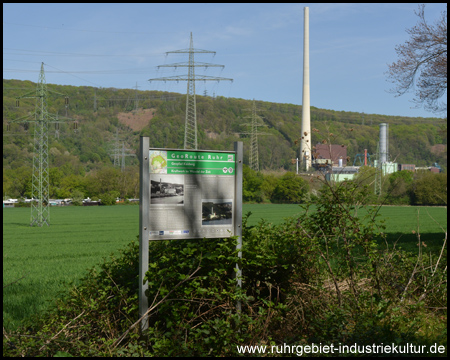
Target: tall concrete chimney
[(384, 143), (305, 143)]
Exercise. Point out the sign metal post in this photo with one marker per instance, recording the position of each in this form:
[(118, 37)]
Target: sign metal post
[(144, 198), (238, 148)]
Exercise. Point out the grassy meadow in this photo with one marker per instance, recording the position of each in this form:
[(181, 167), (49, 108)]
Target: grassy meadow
[(44, 258), (40, 262)]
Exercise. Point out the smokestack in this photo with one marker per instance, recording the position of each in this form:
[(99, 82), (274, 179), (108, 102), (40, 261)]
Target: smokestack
[(305, 144), (384, 143)]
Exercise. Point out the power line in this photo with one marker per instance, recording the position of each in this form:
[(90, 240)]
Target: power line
[(75, 76), (90, 72), (56, 53), (93, 31)]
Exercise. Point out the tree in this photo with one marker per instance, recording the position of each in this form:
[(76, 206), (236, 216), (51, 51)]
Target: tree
[(55, 177), (268, 186), (109, 198), (430, 189), (422, 63), (103, 181), (77, 197), (71, 185), (290, 189), (251, 187), (17, 182), (400, 185)]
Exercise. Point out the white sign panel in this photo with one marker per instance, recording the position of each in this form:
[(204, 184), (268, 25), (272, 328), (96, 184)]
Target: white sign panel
[(191, 194)]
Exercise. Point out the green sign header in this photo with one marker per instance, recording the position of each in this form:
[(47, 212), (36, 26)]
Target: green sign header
[(183, 162)]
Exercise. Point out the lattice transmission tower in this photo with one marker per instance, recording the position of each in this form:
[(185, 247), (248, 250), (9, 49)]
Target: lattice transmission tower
[(136, 99), (40, 211), (190, 129), (255, 123), (124, 154), (119, 152), (116, 150)]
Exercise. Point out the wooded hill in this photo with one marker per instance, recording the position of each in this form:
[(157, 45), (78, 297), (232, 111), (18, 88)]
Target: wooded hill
[(102, 112)]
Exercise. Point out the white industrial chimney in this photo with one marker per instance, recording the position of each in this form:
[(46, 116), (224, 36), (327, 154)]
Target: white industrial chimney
[(305, 143), (384, 144)]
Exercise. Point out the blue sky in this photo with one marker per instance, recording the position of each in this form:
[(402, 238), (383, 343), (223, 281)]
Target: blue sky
[(261, 46)]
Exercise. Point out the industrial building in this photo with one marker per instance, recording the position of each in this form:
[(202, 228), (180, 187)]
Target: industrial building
[(340, 173), (332, 160), (336, 153)]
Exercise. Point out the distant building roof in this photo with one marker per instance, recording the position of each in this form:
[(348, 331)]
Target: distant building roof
[(333, 152)]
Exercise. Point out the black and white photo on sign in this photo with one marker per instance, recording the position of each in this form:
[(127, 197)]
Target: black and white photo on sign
[(166, 189), (217, 211)]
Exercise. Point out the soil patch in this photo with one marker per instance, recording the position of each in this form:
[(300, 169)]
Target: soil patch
[(136, 120), (438, 148)]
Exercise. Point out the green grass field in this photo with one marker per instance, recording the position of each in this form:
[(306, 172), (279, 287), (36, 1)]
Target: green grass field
[(78, 238), (39, 262)]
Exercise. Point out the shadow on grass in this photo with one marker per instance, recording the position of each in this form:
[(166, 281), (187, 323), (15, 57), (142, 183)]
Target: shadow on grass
[(22, 300), (432, 242), (23, 224)]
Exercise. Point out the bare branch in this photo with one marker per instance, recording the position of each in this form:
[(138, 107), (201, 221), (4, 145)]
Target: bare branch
[(422, 63)]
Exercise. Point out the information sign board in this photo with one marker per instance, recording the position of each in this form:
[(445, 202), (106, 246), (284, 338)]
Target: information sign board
[(187, 194), (192, 194)]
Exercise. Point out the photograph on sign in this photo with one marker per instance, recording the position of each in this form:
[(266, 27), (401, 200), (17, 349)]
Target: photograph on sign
[(217, 212), (166, 189)]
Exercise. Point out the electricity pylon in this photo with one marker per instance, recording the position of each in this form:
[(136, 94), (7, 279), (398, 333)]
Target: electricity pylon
[(190, 129), (136, 99), (116, 151), (254, 153), (119, 152), (40, 211), (123, 156)]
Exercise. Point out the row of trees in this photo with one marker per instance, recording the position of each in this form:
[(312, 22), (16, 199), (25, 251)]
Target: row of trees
[(106, 184), (400, 188), (406, 188), (287, 188)]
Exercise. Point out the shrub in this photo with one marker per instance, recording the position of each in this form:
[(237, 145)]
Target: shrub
[(268, 186), (109, 198), (201, 317), (22, 204), (77, 197), (400, 186), (430, 189), (251, 187), (290, 189)]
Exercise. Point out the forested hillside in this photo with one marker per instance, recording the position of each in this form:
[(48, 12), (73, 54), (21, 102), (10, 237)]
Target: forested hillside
[(102, 113)]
